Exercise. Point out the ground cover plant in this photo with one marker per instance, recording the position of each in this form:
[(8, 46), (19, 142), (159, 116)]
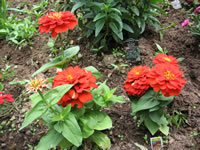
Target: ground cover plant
[(53, 87)]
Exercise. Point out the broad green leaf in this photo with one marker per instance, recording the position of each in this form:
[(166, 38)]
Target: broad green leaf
[(145, 102), (99, 26), (156, 116), (70, 130), (117, 19), (101, 139), (154, 19), (94, 71), (116, 10), (135, 10), (52, 96), (65, 144), (86, 131), (60, 60), (50, 140), (127, 28), (164, 129), (99, 16), (97, 120), (152, 126), (61, 116), (114, 27), (180, 59), (37, 111), (77, 5)]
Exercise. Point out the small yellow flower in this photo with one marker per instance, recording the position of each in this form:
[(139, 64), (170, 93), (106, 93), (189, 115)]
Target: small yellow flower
[(36, 84)]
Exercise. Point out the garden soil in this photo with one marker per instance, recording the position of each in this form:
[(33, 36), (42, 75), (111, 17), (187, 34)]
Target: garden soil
[(125, 132)]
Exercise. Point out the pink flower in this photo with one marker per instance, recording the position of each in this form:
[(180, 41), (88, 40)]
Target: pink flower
[(197, 10), (185, 23)]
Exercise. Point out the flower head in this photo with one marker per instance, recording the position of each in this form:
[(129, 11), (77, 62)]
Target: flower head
[(1, 75), (82, 81), (197, 10), (185, 23), (7, 97), (37, 84), (136, 82), (57, 22), (167, 78), (163, 58)]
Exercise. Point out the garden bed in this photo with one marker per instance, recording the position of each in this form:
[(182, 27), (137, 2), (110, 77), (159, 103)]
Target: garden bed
[(125, 133)]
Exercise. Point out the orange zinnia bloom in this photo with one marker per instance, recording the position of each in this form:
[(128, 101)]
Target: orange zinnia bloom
[(167, 78), (82, 80), (136, 83), (57, 22), (36, 84), (163, 58)]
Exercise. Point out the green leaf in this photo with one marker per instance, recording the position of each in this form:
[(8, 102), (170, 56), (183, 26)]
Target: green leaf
[(152, 126), (99, 16), (52, 96), (97, 120), (135, 10), (50, 140), (61, 116), (145, 102), (37, 111), (114, 27), (99, 26), (164, 129), (94, 71), (60, 60), (101, 139), (1, 87), (180, 59), (77, 5), (127, 28), (117, 19), (70, 130), (156, 116)]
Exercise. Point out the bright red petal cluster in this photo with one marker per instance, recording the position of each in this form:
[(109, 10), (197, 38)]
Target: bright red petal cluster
[(82, 80), (7, 97), (57, 22), (167, 78), (136, 83), (163, 58)]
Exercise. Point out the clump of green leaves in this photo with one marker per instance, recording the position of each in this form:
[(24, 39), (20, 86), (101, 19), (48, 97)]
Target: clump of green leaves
[(110, 20)]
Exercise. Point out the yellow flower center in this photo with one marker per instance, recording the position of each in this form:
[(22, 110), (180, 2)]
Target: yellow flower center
[(168, 75), (69, 77), (167, 59), (137, 73), (56, 15)]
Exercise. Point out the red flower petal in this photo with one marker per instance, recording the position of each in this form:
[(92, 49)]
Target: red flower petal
[(85, 97)]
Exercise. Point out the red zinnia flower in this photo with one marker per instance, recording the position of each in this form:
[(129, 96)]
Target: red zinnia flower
[(1, 75), (7, 97), (136, 82), (82, 80), (163, 58), (57, 22), (167, 78)]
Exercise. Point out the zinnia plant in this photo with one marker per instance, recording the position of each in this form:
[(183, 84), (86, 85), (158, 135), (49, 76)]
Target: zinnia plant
[(72, 109), (151, 90)]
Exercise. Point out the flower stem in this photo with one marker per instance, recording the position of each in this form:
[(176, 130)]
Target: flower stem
[(41, 95)]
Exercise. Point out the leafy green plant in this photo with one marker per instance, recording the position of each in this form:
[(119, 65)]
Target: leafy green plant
[(150, 92), (108, 20), (69, 126), (177, 118)]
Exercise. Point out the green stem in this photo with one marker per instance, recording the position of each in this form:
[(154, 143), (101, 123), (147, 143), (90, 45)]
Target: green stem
[(41, 95)]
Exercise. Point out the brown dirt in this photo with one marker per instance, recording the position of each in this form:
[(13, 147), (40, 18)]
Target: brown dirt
[(179, 43)]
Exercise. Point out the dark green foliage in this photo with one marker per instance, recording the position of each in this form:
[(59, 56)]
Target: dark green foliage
[(110, 20)]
